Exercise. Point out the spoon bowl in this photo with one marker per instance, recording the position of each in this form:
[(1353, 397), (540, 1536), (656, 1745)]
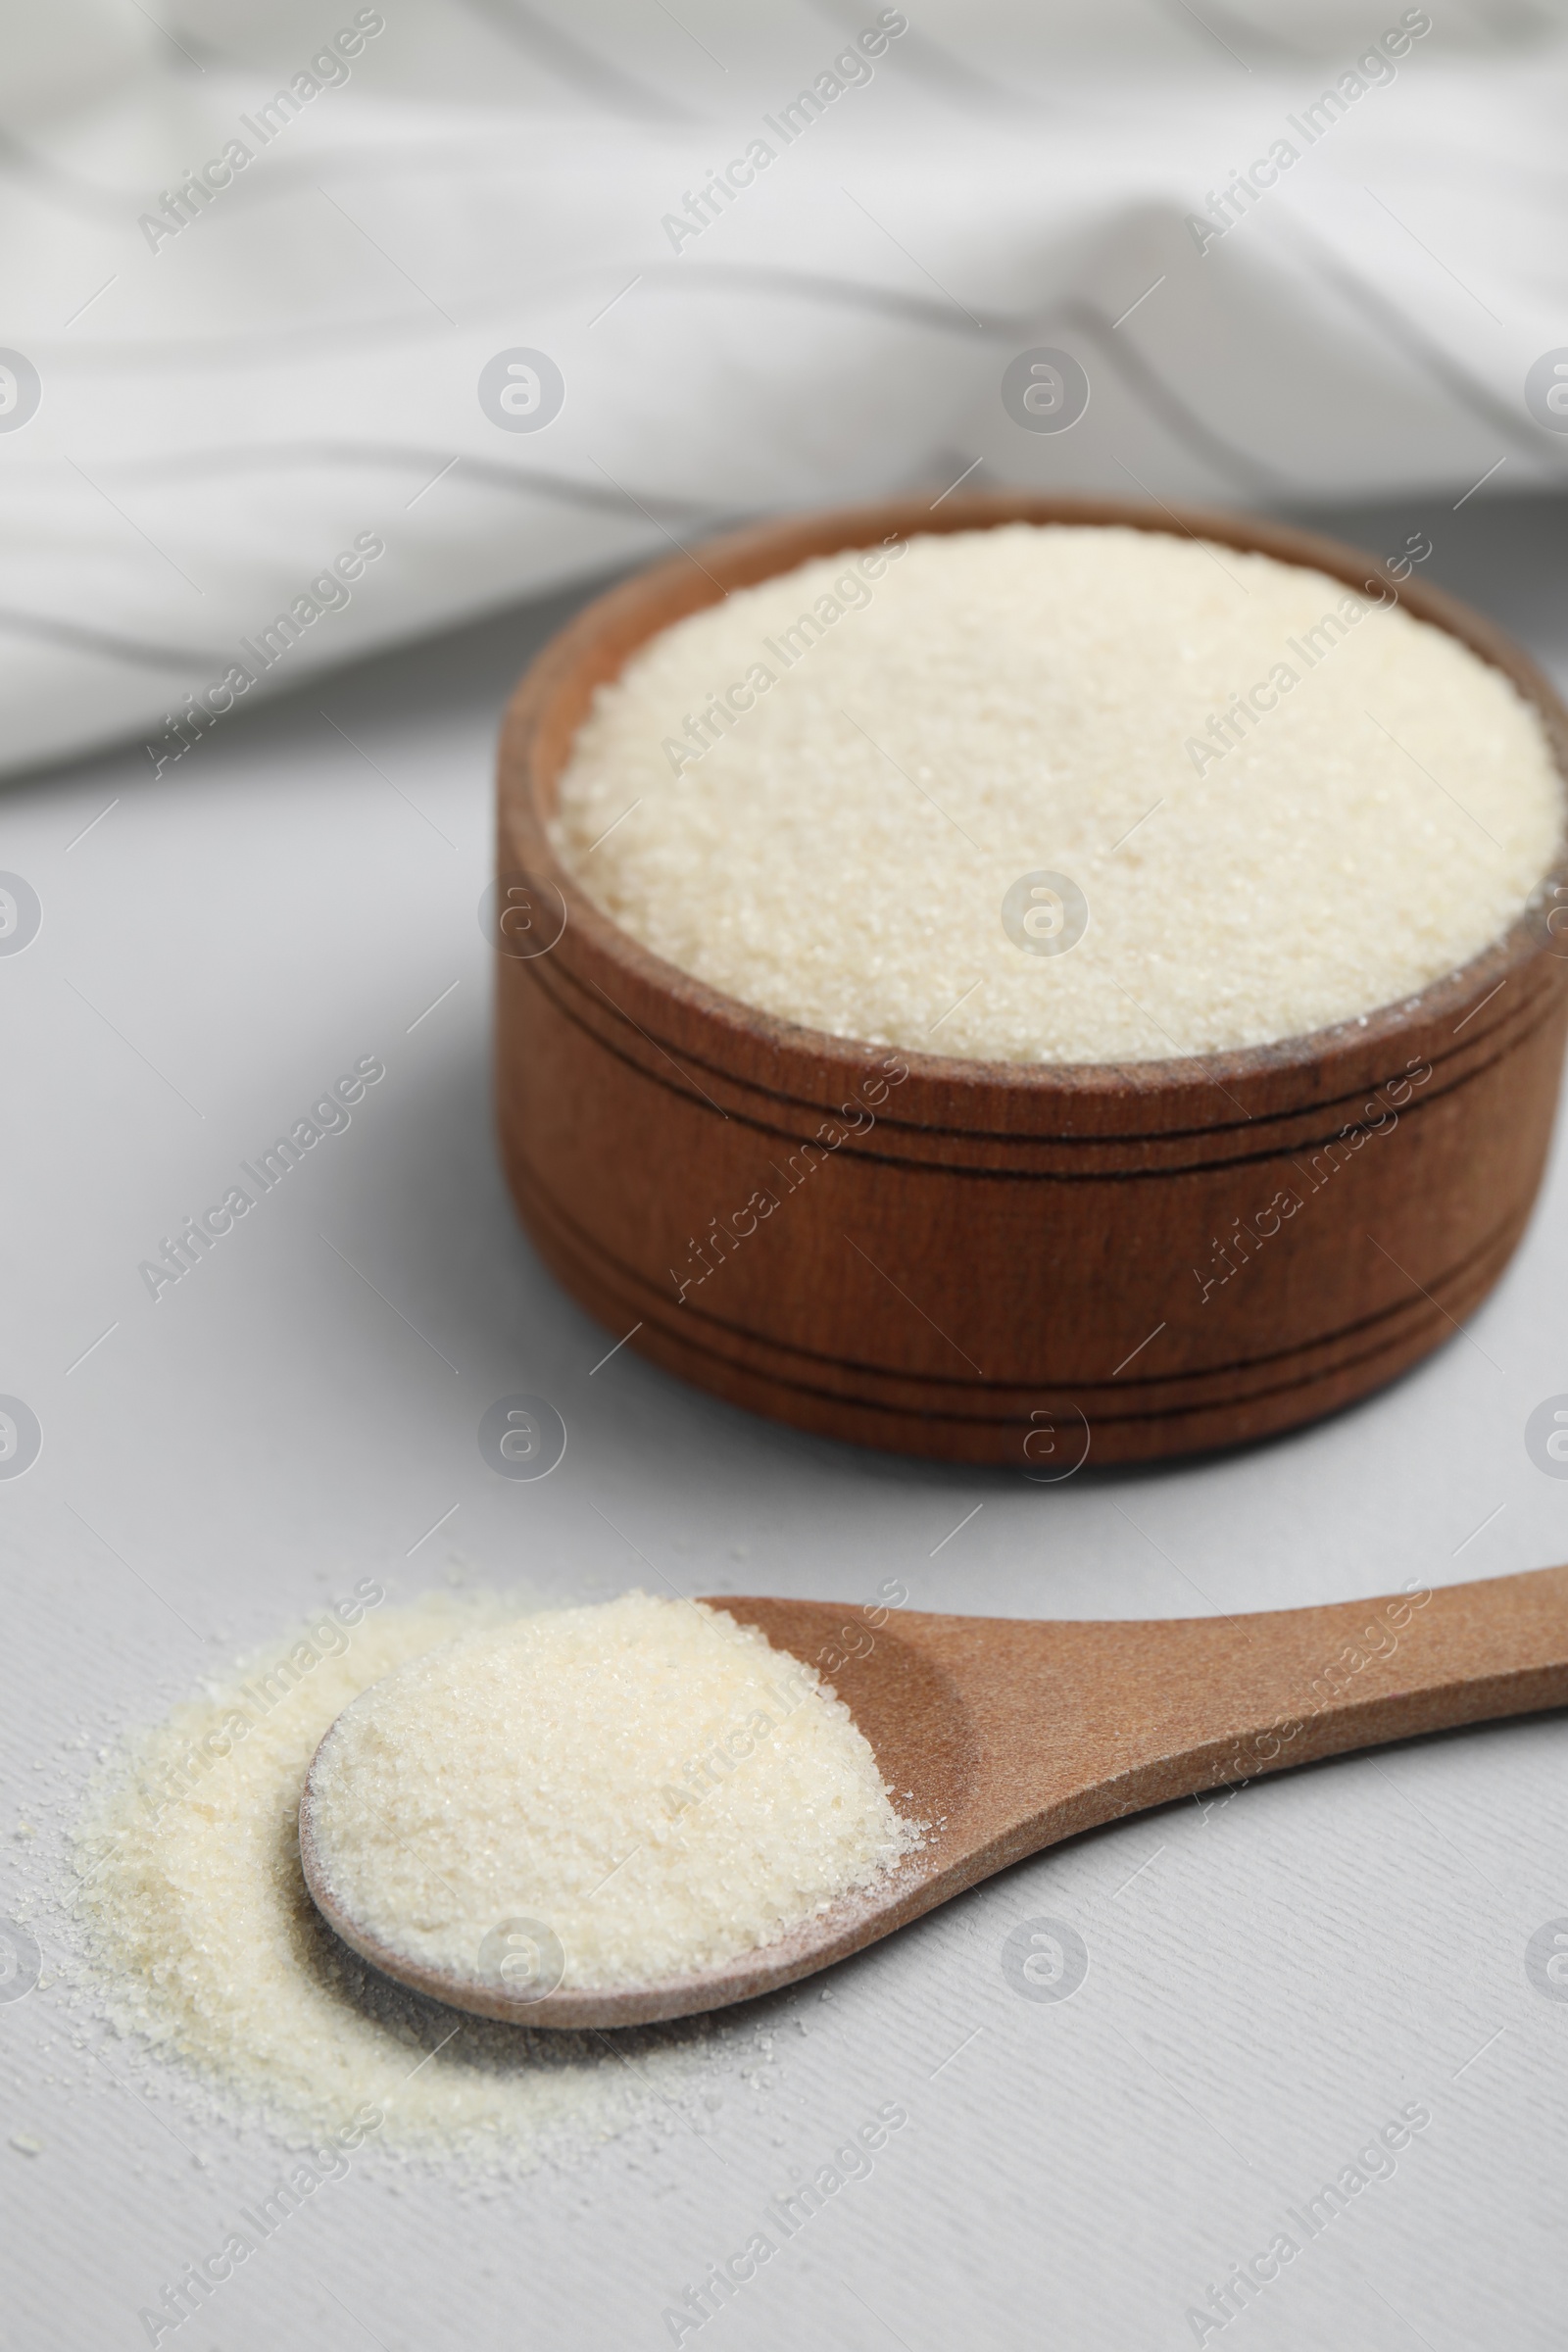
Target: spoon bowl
[(1009, 1734)]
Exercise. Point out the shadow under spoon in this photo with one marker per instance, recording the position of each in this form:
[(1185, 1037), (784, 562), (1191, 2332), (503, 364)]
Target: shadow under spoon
[(1009, 1734)]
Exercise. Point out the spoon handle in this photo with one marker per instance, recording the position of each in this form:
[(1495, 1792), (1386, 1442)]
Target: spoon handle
[(1082, 1723), (1300, 1683)]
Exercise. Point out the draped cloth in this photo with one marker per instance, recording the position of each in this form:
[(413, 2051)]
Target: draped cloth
[(327, 331)]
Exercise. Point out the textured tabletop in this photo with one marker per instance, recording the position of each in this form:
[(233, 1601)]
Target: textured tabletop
[(1296, 2017)]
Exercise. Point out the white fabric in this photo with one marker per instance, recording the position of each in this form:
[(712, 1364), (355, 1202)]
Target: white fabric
[(223, 411)]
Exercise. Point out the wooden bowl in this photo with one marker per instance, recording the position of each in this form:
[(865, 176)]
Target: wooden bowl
[(992, 1261)]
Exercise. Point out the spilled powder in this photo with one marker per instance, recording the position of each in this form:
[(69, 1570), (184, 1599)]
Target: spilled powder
[(930, 723), (203, 1943), (648, 1787)]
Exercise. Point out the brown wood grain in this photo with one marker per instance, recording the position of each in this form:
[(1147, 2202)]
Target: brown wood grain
[(1007, 1735), (1004, 1256)]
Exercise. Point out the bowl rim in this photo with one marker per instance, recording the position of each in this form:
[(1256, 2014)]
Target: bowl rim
[(534, 745)]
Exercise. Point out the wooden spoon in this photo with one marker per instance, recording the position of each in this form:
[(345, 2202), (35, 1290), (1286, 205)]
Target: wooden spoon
[(1010, 1734)]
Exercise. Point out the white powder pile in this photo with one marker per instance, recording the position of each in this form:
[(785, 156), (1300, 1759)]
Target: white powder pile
[(649, 1782), (202, 1940), (1282, 804)]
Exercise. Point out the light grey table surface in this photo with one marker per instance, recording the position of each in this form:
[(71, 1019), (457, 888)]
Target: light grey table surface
[(1268, 1982)]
